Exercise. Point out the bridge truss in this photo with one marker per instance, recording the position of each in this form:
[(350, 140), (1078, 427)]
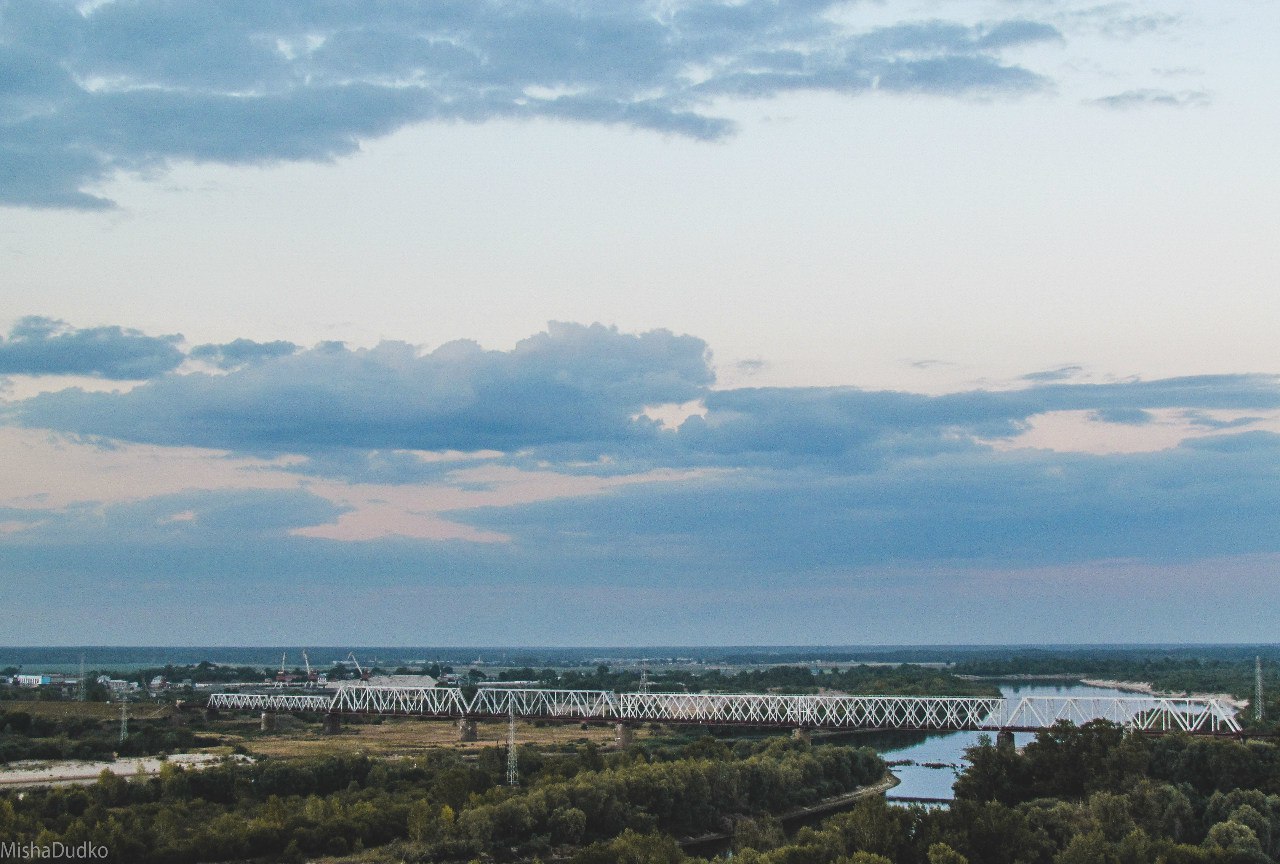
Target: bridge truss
[(920, 713)]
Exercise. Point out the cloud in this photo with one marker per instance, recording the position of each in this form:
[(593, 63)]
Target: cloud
[(1114, 20), (189, 520), (786, 477), (241, 351), (1062, 373), (45, 346), (581, 398), (92, 90), (536, 471), (859, 427), (1217, 496), (928, 363), (1208, 421), (1125, 416), (1152, 97), (570, 383)]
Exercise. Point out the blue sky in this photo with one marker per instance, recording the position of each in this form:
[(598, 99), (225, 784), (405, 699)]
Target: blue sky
[(670, 322)]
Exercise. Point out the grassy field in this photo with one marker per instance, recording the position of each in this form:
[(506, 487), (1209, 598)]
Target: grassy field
[(407, 737), (295, 738), (90, 710)]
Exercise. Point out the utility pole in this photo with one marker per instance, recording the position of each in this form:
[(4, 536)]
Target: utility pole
[(513, 768), (1257, 689)]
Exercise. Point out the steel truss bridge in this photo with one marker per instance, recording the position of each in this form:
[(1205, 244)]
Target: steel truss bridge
[(914, 713)]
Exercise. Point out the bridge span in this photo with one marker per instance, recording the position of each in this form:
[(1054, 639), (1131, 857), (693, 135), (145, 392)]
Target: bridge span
[(1154, 714)]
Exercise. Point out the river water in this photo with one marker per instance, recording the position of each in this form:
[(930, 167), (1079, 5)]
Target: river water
[(948, 748)]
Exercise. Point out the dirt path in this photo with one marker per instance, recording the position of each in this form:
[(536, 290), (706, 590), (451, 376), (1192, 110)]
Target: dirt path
[(826, 805), (33, 773)]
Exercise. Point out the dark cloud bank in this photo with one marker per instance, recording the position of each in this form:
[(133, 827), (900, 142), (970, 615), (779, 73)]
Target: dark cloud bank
[(45, 346), (795, 478), (90, 89)]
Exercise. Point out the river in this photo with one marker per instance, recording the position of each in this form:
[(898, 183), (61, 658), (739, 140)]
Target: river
[(948, 748)]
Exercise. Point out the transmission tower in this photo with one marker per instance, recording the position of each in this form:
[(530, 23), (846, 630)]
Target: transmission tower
[(644, 679), (513, 767), (124, 720), (82, 691), (1257, 689)]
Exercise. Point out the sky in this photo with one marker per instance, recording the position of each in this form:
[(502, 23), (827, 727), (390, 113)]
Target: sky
[(633, 323)]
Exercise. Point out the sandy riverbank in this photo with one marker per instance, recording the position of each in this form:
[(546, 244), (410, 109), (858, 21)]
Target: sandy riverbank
[(1147, 690), (35, 773)]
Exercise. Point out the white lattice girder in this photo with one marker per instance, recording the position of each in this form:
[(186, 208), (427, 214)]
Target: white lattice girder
[(269, 702), (1149, 713), (824, 711), (585, 704), (423, 701)]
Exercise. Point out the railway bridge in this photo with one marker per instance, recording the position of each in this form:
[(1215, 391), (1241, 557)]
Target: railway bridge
[(1152, 714)]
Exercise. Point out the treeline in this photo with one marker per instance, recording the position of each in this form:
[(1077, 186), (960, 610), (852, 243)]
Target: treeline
[(435, 808), (203, 672), (1093, 795), (1072, 796), (1177, 673), (904, 680), (907, 680), (27, 736)]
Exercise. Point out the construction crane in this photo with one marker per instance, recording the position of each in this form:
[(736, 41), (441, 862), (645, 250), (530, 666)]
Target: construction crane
[(312, 676), (283, 677), (364, 673)]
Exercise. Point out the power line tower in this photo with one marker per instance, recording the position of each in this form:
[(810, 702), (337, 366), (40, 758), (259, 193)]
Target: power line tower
[(82, 687), (513, 767), (124, 719), (644, 679), (1257, 689)]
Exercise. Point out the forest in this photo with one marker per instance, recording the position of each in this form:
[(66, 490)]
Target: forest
[(1089, 795), (441, 807), (27, 735), (1096, 793)]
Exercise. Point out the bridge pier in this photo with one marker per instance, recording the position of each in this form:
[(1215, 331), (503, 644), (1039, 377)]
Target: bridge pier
[(467, 730), (1004, 739), (800, 733), (623, 735), (332, 724), (267, 722)]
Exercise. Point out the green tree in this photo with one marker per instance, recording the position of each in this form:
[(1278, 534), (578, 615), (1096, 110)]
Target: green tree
[(1234, 843), (993, 774), (762, 833), (423, 821), (941, 853), (1090, 848), (568, 825), (864, 858)]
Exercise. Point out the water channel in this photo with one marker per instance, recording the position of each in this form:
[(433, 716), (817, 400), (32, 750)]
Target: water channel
[(947, 749)]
